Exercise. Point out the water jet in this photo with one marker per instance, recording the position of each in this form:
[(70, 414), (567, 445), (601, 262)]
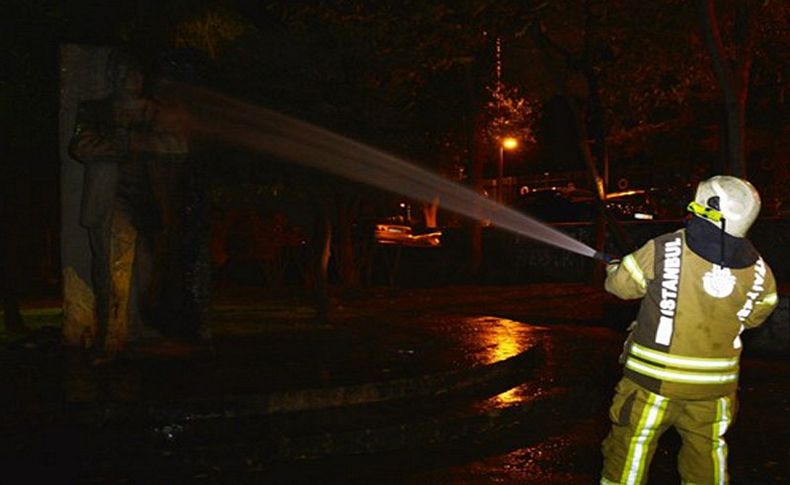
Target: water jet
[(234, 121)]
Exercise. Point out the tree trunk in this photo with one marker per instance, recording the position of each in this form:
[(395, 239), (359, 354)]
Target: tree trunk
[(477, 158), (323, 240), (596, 158), (736, 138), (8, 260), (347, 267), (8, 274), (429, 211), (195, 253), (733, 79), (603, 217)]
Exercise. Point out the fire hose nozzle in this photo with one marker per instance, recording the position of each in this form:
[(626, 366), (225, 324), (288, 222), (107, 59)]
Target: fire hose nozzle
[(606, 258)]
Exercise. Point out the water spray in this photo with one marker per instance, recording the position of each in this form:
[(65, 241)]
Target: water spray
[(234, 121)]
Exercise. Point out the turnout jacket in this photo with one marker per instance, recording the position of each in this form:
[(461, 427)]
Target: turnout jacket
[(685, 343)]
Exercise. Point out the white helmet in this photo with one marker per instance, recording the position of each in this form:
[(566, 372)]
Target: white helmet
[(727, 202)]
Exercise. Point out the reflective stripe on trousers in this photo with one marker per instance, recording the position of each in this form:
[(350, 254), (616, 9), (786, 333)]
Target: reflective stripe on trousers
[(639, 417)]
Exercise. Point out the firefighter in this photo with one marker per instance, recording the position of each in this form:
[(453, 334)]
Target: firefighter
[(700, 286)]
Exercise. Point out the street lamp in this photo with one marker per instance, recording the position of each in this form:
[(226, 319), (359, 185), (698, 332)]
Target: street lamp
[(507, 143)]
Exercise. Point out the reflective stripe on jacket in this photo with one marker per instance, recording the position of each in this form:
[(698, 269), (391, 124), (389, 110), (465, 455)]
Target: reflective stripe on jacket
[(686, 341)]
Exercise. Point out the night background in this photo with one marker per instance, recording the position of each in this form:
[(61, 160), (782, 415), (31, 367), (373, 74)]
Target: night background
[(315, 323)]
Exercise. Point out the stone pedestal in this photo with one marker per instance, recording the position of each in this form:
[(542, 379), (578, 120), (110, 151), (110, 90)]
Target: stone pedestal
[(181, 307)]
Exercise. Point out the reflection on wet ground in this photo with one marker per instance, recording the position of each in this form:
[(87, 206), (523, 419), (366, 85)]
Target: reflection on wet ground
[(496, 437), (502, 338)]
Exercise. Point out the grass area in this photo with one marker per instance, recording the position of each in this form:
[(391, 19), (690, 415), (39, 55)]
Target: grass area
[(262, 317), (272, 310), (246, 319), (248, 311), (35, 319)]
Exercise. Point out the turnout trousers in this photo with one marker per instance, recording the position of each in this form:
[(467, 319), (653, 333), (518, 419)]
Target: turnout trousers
[(639, 418)]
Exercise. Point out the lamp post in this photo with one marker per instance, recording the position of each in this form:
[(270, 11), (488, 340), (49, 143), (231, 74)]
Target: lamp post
[(507, 143)]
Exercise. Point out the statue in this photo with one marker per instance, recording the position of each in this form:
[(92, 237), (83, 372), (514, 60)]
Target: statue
[(119, 139)]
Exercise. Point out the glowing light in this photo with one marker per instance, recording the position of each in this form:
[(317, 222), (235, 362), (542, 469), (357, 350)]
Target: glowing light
[(509, 143), (625, 193)]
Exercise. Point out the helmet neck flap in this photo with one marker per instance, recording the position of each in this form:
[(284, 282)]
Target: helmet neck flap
[(726, 202)]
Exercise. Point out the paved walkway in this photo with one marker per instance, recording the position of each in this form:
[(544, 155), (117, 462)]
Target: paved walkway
[(264, 344)]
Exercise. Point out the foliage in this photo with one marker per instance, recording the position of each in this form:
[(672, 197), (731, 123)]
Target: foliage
[(511, 115), (411, 76), (209, 31), (654, 77)]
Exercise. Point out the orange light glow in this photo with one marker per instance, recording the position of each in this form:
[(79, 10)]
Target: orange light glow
[(509, 143), (501, 339)]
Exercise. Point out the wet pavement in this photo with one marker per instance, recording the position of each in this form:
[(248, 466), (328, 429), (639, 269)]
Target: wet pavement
[(544, 428)]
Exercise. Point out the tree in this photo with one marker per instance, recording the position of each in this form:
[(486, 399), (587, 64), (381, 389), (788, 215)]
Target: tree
[(363, 74), (581, 58), (732, 65), (733, 79)]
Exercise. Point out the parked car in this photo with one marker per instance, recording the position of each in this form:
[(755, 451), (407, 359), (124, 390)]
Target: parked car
[(385, 233), (569, 204), (557, 204), (632, 205)]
